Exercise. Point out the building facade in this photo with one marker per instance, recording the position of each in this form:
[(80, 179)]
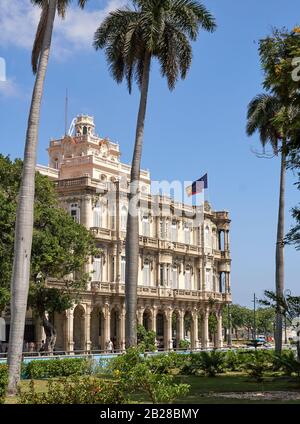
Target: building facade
[(184, 269)]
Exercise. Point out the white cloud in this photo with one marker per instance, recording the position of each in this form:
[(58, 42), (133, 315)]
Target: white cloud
[(18, 22), (9, 88)]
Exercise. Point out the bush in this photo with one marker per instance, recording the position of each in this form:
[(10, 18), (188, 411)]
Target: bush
[(288, 364), (184, 344), (48, 368), (75, 390), (209, 363), (232, 361), (150, 376), (167, 363), (258, 363), (146, 339), (3, 382)]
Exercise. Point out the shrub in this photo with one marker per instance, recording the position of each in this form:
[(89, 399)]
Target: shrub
[(75, 390), (210, 363), (232, 361), (3, 382), (259, 362), (146, 339), (167, 363), (48, 368), (289, 364), (184, 344), (150, 376)]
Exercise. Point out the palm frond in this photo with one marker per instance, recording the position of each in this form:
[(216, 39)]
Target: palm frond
[(39, 37)]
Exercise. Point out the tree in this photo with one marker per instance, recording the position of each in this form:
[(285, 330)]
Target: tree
[(239, 316), (132, 38), (290, 306), (265, 318), (273, 116), (60, 248)]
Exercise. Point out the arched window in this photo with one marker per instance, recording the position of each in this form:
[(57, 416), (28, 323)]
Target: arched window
[(97, 268), (160, 325), (56, 163), (123, 218), (187, 278), (75, 212), (84, 130), (97, 218), (146, 274)]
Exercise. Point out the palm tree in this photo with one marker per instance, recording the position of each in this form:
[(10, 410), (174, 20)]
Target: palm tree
[(131, 38), (24, 220), (270, 116)]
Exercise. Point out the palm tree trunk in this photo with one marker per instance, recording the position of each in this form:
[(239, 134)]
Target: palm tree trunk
[(280, 252), (132, 235), (24, 220)]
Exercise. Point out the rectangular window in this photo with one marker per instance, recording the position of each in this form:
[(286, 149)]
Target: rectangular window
[(97, 218), (97, 268), (123, 266), (174, 233), (187, 279), (161, 229), (174, 277), (187, 235), (161, 275), (145, 226), (146, 275), (208, 280), (74, 212)]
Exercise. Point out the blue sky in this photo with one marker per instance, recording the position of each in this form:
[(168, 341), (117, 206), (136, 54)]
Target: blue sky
[(197, 128)]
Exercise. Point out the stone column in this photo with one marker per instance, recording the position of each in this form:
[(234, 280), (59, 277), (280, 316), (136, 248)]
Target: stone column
[(153, 321), (106, 326), (69, 338), (122, 316), (86, 212), (168, 342), (205, 333), (226, 240), (140, 314), (180, 326), (219, 338), (87, 329), (227, 282), (194, 330)]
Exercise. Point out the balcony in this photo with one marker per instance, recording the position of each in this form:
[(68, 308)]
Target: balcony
[(161, 292), (102, 233)]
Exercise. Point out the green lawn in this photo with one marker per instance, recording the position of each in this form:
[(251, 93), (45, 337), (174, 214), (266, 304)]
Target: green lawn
[(202, 388)]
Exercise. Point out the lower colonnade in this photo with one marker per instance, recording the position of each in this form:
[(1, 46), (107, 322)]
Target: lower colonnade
[(90, 327)]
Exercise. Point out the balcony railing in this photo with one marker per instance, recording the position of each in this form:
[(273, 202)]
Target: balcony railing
[(161, 292)]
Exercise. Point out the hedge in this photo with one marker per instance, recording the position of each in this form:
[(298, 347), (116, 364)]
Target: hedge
[(58, 368)]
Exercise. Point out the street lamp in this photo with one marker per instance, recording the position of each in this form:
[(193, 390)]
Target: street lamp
[(286, 293), (254, 319)]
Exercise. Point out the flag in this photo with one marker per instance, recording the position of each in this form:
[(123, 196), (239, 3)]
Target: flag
[(197, 186)]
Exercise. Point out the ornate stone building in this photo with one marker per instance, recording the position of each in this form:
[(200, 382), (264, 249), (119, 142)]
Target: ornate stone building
[(184, 269)]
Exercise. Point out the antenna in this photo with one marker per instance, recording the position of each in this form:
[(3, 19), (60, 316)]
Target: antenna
[(66, 112)]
